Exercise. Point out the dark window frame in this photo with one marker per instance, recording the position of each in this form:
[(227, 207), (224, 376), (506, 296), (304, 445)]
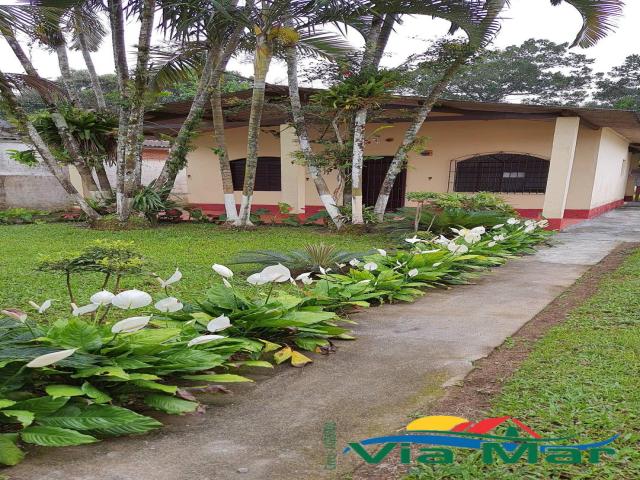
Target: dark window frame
[(501, 173), (268, 174)]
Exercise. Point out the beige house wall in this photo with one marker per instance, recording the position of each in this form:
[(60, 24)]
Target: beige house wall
[(598, 175)]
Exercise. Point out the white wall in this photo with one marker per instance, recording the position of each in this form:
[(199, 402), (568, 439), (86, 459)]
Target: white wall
[(612, 169)]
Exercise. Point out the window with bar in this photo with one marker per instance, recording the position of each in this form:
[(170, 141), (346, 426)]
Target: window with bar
[(502, 172), (267, 174)]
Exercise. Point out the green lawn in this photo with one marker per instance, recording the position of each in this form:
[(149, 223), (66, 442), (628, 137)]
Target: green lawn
[(192, 247), (581, 379)]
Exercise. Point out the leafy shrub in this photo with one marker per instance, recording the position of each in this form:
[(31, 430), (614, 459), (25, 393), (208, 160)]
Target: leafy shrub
[(308, 259), (76, 380), (150, 201), (13, 216), (480, 201), (403, 220)]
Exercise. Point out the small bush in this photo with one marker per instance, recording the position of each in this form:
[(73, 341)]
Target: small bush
[(15, 216)]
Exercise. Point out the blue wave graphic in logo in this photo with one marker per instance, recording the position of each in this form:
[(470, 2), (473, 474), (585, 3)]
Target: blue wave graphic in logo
[(472, 443)]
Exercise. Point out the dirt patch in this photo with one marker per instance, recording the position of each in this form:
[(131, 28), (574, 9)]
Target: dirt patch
[(475, 396)]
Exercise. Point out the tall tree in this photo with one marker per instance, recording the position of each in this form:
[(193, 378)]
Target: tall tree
[(537, 71), (598, 17), (620, 88)]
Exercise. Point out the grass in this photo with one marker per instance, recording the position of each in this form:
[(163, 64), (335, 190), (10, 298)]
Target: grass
[(580, 380), (192, 247)]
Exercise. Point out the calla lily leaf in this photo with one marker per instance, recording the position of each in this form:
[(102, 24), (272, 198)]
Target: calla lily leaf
[(169, 404), (219, 377), (25, 417), (299, 360), (282, 355), (10, 454), (56, 391)]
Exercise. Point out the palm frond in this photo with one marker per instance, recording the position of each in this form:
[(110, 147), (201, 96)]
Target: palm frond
[(323, 44), (176, 63), (598, 19), (22, 82)]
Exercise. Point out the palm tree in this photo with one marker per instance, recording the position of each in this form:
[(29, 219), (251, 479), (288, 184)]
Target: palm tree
[(222, 36), (597, 16)]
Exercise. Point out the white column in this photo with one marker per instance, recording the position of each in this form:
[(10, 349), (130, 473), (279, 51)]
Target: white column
[(562, 154), (293, 175)]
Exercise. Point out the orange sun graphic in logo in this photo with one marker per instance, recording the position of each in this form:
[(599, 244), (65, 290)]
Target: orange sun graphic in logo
[(442, 423)]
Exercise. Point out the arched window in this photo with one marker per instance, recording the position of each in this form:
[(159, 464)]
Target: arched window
[(267, 174), (502, 172)]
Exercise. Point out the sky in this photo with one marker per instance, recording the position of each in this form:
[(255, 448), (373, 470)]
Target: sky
[(525, 19)]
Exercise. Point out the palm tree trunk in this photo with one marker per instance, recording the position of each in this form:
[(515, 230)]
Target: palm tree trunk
[(49, 160), (374, 48), (103, 181), (262, 59), (411, 134), (216, 64), (299, 123), (116, 20), (223, 155), (65, 72), (69, 142), (134, 136), (88, 61)]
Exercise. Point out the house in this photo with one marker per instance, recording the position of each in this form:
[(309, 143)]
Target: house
[(564, 163)]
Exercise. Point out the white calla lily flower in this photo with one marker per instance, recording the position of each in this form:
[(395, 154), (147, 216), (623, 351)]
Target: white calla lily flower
[(543, 223), (513, 221), (226, 283), (131, 299), (529, 228), (176, 277), (50, 358), (15, 314), (382, 252), (491, 244), (370, 266), (102, 297), (354, 262), (169, 305), (224, 272), (78, 311), (413, 272), (130, 325), (457, 249), (256, 279), (41, 308), (441, 240), (499, 238), (204, 339), (413, 240), (305, 278), (219, 323), (497, 227), (437, 264), (274, 273)]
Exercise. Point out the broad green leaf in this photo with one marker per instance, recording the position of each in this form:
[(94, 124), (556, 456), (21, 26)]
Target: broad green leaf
[(54, 436), (101, 372), (299, 360), (169, 404), (102, 419), (253, 363), (77, 333), (10, 454), (97, 395), (219, 377), (282, 355), (150, 385), (5, 402), (41, 406), (25, 417), (310, 344), (56, 391)]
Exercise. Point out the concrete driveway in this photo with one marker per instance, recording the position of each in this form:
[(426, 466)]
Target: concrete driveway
[(403, 357)]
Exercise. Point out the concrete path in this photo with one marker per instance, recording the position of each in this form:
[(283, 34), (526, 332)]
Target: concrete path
[(403, 357)]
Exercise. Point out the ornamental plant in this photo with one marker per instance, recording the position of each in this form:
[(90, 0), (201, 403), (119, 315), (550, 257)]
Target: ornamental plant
[(84, 376)]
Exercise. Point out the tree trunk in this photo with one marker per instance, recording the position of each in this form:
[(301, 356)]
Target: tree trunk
[(116, 20), (135, 137), (103, 181), (69, 142), (65, 72), (223, 155), (263, 54), (411, 134), (48, 159), (300, 125), (374, 48), (216, 64), (88, 61)]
